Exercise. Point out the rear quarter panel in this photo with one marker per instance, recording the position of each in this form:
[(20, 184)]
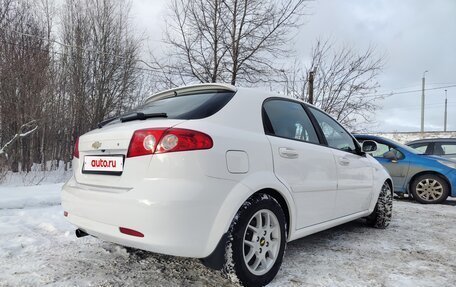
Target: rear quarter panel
[(239, 127), (380, 176)]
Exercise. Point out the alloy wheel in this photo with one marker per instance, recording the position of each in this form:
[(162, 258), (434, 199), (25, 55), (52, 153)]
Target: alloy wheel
[(429, 189), (261, 242)]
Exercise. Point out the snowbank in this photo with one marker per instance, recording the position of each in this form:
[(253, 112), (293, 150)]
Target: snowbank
[(36, 176), (26, 196)]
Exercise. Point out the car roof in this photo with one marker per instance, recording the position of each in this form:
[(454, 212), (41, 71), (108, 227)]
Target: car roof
[(429, 140), (220, 86)]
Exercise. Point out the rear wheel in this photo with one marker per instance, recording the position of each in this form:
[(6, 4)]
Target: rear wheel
[(429, 188), (256, 242), (381, 216)]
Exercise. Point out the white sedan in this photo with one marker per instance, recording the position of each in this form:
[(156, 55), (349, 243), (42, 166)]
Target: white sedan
[(225, 174)]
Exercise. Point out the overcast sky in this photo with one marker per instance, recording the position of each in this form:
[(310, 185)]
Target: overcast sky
[(415, 35)]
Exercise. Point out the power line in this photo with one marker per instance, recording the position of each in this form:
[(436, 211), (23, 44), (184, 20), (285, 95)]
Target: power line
[(447, 83), (392, 93), (414, 107)]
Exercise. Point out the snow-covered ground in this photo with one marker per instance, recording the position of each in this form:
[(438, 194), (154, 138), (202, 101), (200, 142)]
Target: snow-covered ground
[(36, 176), (38, 247)]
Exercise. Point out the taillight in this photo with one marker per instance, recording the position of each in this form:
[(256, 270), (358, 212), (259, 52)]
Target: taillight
[(76, 149), (162, 140), (144, 142), (182, 139)]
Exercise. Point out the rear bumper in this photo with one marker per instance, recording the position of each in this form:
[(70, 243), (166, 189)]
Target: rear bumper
[(178, 217)]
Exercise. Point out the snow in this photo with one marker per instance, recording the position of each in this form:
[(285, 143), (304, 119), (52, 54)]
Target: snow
[(25, 196), (38, 247), (37, 176)]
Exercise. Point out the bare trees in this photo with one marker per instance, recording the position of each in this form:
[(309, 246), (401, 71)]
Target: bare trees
[(24, 62), (103, 52), (227, 40), (345, 81), (240, 41), (99, 62), (25, 130), (68, 69), (66, 80)]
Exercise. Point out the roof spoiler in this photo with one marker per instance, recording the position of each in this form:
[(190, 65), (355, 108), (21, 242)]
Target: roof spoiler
[(191, 88)]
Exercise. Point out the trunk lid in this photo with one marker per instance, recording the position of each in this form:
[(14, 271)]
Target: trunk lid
[(113, 141)]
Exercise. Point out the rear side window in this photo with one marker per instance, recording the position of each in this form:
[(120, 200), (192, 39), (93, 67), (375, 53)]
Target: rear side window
[(335, 134), (196, 105), (420, 147), (288, 119), (445, 148)]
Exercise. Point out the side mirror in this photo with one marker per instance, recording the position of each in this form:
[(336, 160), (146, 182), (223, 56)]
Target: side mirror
[(391, 155), (369, 146)]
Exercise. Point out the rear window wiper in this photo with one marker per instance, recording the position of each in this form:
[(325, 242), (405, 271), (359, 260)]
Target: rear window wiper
[(105, 122), (142, 116), (132, 117)]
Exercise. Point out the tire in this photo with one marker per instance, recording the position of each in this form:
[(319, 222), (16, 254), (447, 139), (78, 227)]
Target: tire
[(429, 189), (383, 212), (254, 253)]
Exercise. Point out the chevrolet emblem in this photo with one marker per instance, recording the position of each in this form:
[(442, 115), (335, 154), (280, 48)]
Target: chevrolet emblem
[(96, 145)]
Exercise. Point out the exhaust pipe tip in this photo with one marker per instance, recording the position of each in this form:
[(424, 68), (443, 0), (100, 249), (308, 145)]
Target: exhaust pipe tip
[(80, 233)]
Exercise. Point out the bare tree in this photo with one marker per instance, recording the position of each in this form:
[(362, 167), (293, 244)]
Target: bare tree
[(99, 63), (345, 81), (24, 130), (66, 78), (24, 62), (227, 40)]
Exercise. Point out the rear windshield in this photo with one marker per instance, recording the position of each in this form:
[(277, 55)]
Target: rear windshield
[(188, 106)]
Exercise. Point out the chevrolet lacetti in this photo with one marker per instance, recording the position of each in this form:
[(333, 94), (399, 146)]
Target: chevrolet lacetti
[(225, 174)]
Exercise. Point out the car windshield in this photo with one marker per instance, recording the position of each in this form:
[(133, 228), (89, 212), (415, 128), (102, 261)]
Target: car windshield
[(410, 149), (195, 105)]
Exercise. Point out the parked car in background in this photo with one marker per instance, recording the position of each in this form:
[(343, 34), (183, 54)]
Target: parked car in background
[(428, 178), (444, 147), (225, 174)]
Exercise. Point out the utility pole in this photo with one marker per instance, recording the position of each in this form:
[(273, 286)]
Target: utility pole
[(311, 86), (446, 112), (422, 102)]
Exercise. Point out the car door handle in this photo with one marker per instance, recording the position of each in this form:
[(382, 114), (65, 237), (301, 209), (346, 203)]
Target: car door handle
[(288, 152), (344, 161)]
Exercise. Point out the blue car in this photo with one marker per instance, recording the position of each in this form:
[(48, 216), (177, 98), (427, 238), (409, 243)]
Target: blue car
[(428, 178)]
